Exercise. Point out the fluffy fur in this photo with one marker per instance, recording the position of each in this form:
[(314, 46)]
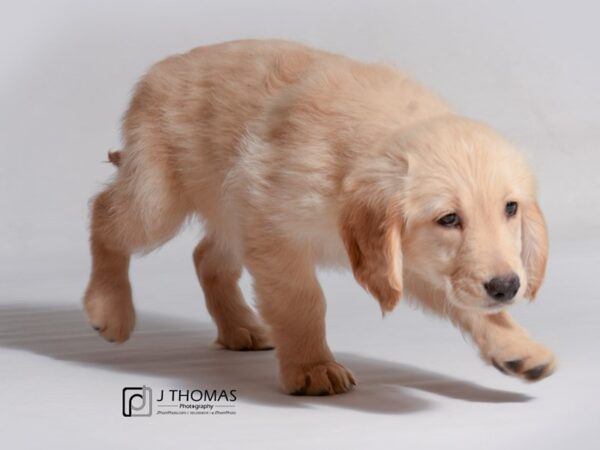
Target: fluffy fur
[(296, 158)]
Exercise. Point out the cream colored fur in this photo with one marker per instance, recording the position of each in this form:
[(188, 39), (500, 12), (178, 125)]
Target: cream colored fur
[(296, 158)]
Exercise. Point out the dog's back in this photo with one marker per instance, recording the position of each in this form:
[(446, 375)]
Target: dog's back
[(200, 105)]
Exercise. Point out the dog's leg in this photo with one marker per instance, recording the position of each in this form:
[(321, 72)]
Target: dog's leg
[(291, 302), (501, 341), (506, 345), (133, 214), (218, 270)]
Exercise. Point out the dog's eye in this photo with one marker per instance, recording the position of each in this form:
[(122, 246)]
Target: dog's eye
[(449, 220), (511, 208)]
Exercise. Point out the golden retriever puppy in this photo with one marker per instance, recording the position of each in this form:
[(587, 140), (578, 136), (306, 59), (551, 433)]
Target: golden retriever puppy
[(296, 158)]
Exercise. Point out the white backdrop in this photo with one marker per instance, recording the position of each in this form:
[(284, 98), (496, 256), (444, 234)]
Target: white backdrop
[(529, 68)]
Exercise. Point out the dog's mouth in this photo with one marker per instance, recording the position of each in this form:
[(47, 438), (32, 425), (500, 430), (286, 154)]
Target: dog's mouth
[(479, 302), (494, 307), (484, 307)]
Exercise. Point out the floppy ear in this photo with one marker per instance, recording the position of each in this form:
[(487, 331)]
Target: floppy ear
[(535, 247), (371, 235)]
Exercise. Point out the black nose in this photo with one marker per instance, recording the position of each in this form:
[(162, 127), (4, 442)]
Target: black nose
[(503, 288)]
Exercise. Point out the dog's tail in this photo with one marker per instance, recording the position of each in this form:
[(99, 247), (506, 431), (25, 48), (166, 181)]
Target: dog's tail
[(114, 157)]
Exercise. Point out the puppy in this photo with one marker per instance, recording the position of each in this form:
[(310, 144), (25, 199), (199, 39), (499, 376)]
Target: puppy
[(296, 158)]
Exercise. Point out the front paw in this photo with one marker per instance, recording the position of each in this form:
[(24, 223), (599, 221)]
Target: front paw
[(323, 378), (110, 310), (523, 358)]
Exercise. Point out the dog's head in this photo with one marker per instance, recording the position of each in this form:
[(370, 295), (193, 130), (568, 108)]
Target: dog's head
[(451, 204)]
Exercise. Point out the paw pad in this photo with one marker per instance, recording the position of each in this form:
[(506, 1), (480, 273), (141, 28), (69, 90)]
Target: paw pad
[(515, 367)]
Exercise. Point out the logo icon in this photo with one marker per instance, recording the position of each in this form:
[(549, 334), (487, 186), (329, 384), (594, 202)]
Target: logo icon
[(137, 401)]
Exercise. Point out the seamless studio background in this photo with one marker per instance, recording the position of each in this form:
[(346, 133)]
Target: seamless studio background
[(529, 69)]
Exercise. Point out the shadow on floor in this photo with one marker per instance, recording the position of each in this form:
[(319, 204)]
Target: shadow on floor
[(182, 350)]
